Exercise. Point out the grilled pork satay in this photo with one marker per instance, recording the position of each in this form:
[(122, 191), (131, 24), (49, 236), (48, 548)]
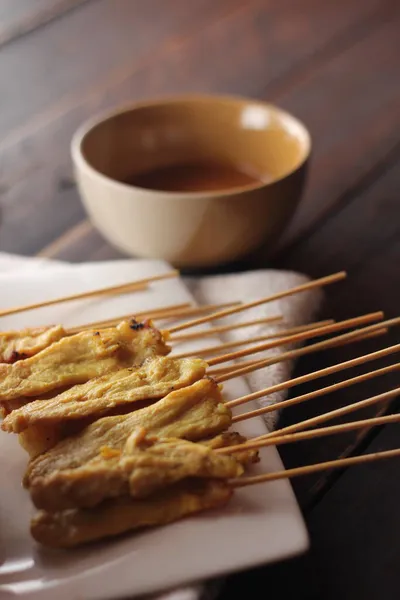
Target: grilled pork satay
[(193, 413), (71, 528), (78, 358), (121, 390), (7, 407), (42, 424), (233, 438), (17, 345), (146, 465)]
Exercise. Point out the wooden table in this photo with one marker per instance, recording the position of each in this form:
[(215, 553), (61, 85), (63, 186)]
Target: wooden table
[(333, 64)]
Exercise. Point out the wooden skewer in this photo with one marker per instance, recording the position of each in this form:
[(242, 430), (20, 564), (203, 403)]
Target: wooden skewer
[(311, 434), (316, 393), (299, 328), (184, 337), (319, 331), (330, 464), (166, 313), (354, 362), (348, 337), (247, 363), (133, 286), (332, 414), (261, 338), (300, 288), (206, 308), (156, 313), (366, 336)]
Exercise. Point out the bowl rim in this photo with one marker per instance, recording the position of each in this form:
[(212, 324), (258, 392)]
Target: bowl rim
[(89, 124)]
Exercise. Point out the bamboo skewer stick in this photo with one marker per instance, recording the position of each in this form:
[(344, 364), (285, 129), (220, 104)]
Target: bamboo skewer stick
[(319, 331), (354, 362), (261, 338), (366, 336), (184, 337), (133, 286), (299, 328), (248, 363), (156, 313), (348, 337), (167, 313), (300, 288), (338, 412), (316, 393), (206, 308), (311, 434), (307, 470), (160, 313)]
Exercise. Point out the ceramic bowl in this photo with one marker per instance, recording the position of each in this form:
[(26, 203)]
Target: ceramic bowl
[(191, 229)]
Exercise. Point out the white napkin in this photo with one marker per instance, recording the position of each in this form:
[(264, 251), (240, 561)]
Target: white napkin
[(297, 310)]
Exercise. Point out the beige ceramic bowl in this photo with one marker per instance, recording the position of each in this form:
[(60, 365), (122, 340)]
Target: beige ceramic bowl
[(198, 228)]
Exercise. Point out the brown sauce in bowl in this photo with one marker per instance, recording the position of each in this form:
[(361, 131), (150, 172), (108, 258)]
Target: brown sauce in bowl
[(194, 177)]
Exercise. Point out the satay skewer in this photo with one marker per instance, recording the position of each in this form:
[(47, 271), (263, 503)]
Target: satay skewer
[(254, 362), (317, 332), (222, 310), (226, 373), (292, 291), (310, 434), (174, 312), (285, 385), (316, 393), (332, 414), (153, 313), (261, 338), (125, 288), (184, 337), (215, 315), (346, 337), (71, 528), (315, 468)]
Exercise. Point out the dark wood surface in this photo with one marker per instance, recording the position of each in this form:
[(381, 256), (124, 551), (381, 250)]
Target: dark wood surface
[(333, 64)]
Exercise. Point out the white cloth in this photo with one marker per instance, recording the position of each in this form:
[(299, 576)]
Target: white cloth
[(296, 310)]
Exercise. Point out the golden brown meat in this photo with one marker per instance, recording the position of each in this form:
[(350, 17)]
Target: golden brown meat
[(233, 438), (192, 413), (78, 358), (71, 528), (17, 345), (37, 440), (153, 380), (145, 465)]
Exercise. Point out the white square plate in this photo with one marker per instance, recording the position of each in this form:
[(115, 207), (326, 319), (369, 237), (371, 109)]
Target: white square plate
[(262, 523)]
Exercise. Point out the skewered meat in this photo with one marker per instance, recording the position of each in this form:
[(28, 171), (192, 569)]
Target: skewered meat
[(17, 345), (78, 358), (193, 413), (153, 380), (75, 527), (233, 438), (144, 466)]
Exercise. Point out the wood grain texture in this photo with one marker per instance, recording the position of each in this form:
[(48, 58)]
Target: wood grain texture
[(355, 530), (333, 64), (36, 185), (351, 105), (354, 533), (250, 44), (20, 17), (369, 249), (363, 221)]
